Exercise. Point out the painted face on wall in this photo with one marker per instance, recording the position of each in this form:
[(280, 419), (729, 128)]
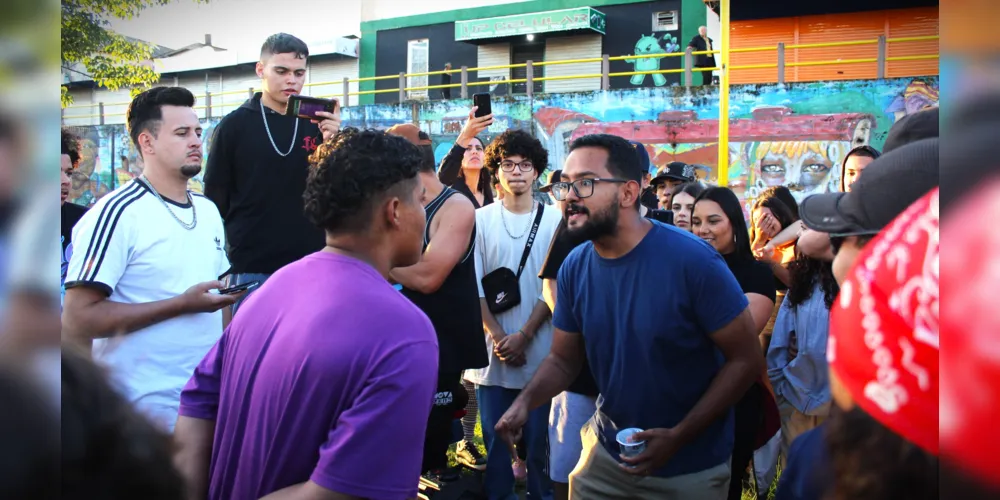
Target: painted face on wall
[(804, 167)]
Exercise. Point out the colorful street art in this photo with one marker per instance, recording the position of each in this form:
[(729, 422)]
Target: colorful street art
[(794, 135), (109, 160), (649, 46)]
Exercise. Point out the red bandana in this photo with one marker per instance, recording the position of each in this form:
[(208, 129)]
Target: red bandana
[(970, 386), (883, 342)]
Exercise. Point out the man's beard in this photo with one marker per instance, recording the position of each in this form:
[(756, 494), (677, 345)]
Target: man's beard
[(600, 224), (190, 171)]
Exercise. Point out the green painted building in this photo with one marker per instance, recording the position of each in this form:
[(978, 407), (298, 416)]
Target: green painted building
[(535, 30)]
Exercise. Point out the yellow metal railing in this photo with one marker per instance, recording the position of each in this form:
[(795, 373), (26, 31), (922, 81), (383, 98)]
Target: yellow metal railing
[(210, 103)]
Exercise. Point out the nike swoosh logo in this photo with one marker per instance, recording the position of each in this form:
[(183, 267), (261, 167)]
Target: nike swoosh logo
[(500, 296)]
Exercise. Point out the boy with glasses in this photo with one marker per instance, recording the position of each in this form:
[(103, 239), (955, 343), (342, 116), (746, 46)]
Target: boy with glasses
[(511, 238)]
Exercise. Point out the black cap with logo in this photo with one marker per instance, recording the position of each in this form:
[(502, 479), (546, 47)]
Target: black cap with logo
[(675, 170), (883, 190)]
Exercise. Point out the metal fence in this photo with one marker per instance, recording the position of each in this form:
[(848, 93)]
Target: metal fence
[(605, 75)]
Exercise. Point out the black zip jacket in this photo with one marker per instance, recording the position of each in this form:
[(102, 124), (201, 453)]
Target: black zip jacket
[(258, 191)]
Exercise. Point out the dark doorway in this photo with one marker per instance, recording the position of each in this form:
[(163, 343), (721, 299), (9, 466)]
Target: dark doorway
[(521, 53)]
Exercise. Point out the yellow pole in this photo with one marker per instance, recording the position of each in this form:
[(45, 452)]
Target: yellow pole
[(723, 176)]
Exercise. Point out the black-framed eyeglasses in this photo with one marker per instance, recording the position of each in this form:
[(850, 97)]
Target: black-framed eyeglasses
[(837, 239), (509, 166), (584, 188)]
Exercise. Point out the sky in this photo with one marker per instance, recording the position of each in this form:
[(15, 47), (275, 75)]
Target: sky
[(241, 24)]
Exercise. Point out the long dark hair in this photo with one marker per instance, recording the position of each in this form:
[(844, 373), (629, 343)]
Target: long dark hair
[(806, 272), (730, 205), (785, 195), (692, 188), (778, 208), (485, 176), (864, 151), (871, 462)]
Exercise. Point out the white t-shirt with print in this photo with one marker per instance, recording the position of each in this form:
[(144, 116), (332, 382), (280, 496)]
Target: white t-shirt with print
[(130, 246), (495, 249)]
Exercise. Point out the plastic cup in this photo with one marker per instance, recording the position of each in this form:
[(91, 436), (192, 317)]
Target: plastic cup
[(630, 448)]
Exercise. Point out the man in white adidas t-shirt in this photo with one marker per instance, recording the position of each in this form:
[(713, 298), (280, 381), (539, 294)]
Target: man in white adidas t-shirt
[(141, 288)]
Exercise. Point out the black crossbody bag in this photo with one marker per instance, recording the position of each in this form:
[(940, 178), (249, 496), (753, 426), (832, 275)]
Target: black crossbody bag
[(501, 287)]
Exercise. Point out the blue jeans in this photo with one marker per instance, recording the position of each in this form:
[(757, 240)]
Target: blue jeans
[(239, 279), (499, 480)]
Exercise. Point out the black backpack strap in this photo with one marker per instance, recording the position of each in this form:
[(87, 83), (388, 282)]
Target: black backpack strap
[(531, 239)]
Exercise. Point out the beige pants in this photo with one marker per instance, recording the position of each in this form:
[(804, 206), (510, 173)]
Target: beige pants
[(597, 477), (793, 424)]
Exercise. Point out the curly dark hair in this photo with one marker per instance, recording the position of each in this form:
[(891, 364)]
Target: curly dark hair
[(71, 147), (806, 272), (109, 450), (516, 142), (871, 462), (145, 113), (354, 170)]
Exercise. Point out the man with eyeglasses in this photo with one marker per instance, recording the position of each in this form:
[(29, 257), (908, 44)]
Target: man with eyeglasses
[(654, 356), (511, 238)]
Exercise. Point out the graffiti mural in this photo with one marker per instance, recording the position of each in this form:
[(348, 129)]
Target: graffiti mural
[(110, 160), (794, 135), (650, 46)]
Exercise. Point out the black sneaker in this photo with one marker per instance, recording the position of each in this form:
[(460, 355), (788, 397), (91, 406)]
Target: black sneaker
[(468, 455)]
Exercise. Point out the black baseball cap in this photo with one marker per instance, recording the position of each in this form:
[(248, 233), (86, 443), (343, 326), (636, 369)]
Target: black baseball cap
[(675, 170), (554, 177), (911, 128), (883, 190)]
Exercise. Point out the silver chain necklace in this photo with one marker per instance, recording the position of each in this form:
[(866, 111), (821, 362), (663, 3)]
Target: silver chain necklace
[(526, 228), (295, 134), (194, 212)]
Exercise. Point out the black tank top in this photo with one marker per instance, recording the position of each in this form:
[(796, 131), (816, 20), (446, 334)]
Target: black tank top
[(454, 308)]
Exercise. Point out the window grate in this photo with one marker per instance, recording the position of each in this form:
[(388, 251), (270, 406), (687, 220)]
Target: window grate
[(665, 20)]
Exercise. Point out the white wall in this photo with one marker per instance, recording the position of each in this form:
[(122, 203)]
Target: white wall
[(232, 85), (714, 27), (374, 10)]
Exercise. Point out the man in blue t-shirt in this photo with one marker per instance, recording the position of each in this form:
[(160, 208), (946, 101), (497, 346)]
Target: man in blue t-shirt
[(672, 362)]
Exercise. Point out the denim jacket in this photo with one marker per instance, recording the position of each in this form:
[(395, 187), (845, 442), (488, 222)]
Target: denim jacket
[(802, 381)]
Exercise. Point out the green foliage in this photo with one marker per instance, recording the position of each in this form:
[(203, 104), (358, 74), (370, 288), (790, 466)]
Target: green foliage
[(112, 60)]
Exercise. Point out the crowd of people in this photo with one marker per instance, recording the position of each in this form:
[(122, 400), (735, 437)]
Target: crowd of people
[(394, 295)]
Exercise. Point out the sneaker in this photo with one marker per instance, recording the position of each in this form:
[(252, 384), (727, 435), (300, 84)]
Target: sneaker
[(520, 470), (444, 475), (468, 455)]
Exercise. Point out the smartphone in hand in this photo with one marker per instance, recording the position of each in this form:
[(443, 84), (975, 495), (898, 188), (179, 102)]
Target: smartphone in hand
[(238, 288), (306, 107), (483, 103)]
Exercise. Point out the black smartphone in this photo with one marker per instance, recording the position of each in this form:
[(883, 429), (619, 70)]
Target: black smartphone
[(306, 107), (239, 288), (483, 103)]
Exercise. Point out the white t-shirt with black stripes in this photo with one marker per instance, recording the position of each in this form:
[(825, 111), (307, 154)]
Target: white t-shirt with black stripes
[(130, 246)]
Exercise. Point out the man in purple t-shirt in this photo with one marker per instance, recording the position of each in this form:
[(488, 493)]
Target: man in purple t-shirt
[(327, 365)]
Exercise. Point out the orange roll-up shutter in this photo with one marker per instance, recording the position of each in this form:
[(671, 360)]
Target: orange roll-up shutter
[(759, 33), (906, 23), (836, 28)]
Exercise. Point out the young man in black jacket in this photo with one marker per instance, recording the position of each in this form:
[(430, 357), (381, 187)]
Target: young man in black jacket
[(257, 167)]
